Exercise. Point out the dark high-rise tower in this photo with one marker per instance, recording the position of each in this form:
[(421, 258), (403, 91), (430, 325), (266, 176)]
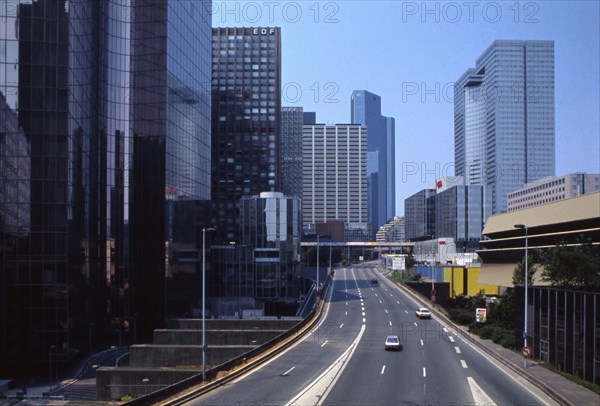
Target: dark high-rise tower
[(246, 120), (105, 115), (170, 174), (366, 110), (292, 119)]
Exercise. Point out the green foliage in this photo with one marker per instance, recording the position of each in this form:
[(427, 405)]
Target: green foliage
[(518, 277), (478, 301), (416, 277), (576, 267), (500, 319), (503, 312), (499, 335), (464, 317), (126, 398)]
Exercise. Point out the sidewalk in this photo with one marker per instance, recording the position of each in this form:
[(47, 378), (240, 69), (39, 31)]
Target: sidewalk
[(562, 389)]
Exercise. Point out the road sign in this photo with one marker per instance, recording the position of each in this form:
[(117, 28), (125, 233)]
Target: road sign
[(527, 352)]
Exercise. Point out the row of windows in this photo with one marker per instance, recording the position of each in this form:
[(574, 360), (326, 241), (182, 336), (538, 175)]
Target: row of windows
[(541, 187), (538, 202), (240, 45)]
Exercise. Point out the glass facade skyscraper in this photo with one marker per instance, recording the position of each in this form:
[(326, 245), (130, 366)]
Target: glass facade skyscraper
[(105, 127), (270, 224), (419, 215), (292, 119), (504, 132), (366, 110), (246, 121)]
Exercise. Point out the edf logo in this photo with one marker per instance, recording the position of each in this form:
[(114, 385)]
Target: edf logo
[(263, 31)]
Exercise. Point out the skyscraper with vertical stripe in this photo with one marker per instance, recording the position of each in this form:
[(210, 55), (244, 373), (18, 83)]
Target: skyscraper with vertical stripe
[(504, 131)]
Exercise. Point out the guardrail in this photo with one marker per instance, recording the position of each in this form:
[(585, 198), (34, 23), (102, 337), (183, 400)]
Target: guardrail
[(246, 362)]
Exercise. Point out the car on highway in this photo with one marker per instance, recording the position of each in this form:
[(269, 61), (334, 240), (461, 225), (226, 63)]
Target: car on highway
[(423, 313), (392, 342), (374, 280)]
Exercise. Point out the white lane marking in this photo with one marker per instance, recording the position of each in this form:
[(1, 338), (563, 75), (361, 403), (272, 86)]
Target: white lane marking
[(391, 295), (457, 350), (397, 302), (406, 311), (452, 340), (387, 311), (325, 342), (375, 294), (380, 302), (382, 370), (364, 320), (445, 330), (341, 325), (463, 363), (390, 323), (320, 387), (363, 313), (424, 372), (288, 371), (422, 342), (416, 325), (346, 312), (347, 303), (479, 396)]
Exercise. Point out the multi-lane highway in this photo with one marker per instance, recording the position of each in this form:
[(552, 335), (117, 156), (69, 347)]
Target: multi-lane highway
[(343, 361)]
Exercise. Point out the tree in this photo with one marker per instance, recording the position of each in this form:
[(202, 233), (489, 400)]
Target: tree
[(575, 266), (503, 312), (518, 277)]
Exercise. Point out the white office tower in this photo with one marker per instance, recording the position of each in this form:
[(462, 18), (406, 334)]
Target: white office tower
[(334, 175)]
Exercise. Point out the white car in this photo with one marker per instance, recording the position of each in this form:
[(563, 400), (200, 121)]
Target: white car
[(423, 313), (393, 343)]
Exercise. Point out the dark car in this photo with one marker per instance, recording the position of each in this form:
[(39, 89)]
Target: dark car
[(374, 280)]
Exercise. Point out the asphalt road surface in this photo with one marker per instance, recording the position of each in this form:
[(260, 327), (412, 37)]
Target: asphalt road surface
[(343, 360)]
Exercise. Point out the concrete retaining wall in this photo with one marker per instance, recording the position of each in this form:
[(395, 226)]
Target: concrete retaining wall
[(113, 383), (157, 356), (176, 353), (233, 324)]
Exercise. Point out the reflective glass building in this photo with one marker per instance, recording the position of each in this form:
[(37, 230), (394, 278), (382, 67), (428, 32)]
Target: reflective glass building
[(504, 118), (270, 225), (366, 110), (292, 119), (105, 131), (246, 120)]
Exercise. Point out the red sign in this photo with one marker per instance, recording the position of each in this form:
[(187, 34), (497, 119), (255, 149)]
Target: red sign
[(527, 352), (438, 184)]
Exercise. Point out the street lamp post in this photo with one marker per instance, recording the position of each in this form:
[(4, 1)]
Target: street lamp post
[(317, 263), (526, 283), (204, 230)]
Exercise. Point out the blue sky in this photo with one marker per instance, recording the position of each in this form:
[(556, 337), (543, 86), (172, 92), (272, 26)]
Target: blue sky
[(410, 53)]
